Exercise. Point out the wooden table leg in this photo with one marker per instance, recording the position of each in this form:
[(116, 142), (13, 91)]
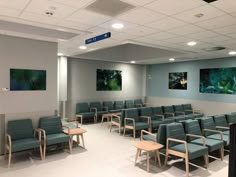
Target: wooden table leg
[(82, 137), (147, 161), (158, 157), (136, 157)]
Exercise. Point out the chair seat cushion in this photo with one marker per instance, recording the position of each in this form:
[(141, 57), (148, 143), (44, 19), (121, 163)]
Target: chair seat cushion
[(57, 138), (168, 120), (217, 136), (139, 125), (194, 150), (24, 144), (212, 144), (156, 123), (226, 132), (99, 113), (114, 110), (87, 114), (149, 138)]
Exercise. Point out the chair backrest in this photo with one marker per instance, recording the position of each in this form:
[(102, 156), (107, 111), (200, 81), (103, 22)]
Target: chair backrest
[(129, 104), (51, 124), (187, 106), (176, 131), (189, 116), (231, 118), (20, 129), (157, 110), (108, 104), (132, 113), (178, 108), (220, 120), (118, 104), (192, 127), (208, 123), (168, 109), (146, 111), (161, 134), (138, 102), (97, 105), (82, 107)]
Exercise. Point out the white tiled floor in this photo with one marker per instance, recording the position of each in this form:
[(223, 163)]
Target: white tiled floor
[(106, 155)]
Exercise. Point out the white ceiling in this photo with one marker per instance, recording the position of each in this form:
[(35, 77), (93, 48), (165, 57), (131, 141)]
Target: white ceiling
[(166, 24)]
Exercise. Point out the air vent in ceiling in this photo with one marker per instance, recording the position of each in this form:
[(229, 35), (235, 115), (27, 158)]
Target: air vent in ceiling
[(209, 1), (214, 49), (109, 7)]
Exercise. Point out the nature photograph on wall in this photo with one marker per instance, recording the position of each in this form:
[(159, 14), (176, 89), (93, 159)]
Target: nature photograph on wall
[(27, 79), (218, 80), (109, 80), (178, 80)]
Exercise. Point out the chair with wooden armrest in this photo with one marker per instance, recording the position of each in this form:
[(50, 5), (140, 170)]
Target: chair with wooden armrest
[(158, 113), (139, 103), (52, 132), (135, 122), (193, 127), (21, 136), (168, 111), (83, 112), (177, 145), (221, 123), (98, 109), (117, 120), (129, 104), (210, 130), (179, 110), (231, 118), (189, 110)]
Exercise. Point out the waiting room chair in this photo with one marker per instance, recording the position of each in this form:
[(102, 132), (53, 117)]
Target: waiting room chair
[(135, 122), (21, 136), (119, 105), (178, 146), (189, 110), (83, 112), (158, 112), (231, 118), (179, 110), (221, 123), (110, 107), (98, 109), (139, 103), (117, 120), (52, 132), (129, 104), (168, 111)]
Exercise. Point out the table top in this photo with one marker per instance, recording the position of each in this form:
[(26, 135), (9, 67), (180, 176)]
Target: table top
[(148, 145), (74, 131)]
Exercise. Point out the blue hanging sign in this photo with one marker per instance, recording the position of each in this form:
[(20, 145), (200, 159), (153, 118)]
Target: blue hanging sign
[(98, 38)]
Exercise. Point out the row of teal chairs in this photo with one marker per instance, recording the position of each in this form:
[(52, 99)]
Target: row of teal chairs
[(96, 109), (21, 135), (191, 139), (148, 118)]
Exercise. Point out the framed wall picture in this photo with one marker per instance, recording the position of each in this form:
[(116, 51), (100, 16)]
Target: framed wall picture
[(178, 80), (218, 80), (109, 80)]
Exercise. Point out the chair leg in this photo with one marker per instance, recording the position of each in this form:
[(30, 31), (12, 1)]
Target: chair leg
[(166, 158), (206, 159), (5, 153), (134, 133), (187, 167), (124, 131), (136, 157), (41, 152), (81, 120), (222, 153), (9, 158), (119, 129), (110, 127), (44, 151)]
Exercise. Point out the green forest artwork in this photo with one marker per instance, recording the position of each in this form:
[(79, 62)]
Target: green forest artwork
[(218, 80), (110, 80)]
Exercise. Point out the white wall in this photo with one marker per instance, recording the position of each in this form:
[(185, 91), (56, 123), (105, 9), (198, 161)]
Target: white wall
[(82, 82), (27, 54)]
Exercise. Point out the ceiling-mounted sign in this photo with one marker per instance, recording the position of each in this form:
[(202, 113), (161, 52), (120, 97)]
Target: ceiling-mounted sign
[(98, 38)]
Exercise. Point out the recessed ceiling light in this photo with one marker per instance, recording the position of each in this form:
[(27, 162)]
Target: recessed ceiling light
[(232, 53), (172, 59), (133, 62), (82, 47), (191, 43), (117, 25), (59, 54)]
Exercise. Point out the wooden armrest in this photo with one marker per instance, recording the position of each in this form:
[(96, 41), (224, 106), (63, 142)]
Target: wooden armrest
[(215, 131), (115, 116), (105, 107), (94, 109), (8, 140), (146, 117), (178, 141), (220, 127), (79, 115), (198, 136), (130, 119), (160, 115), (39, 133), (146, 132), (173, 114)]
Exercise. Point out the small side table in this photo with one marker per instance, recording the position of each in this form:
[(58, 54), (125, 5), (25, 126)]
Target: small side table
[(75, 131), (148, 146)]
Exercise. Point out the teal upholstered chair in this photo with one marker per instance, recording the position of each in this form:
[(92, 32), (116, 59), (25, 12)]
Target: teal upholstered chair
[(168, 111), (110, 107), (210, 131), (52, 132), (158, 112), (117, 120), (83, 112), (134, 122), (179, 110), (139, 103), (119, 105), (98, 109), (178, 146), (221, 123), (129, 104), (20, 136), (179, 118), (189, 110), (231, 118), (193, 127)]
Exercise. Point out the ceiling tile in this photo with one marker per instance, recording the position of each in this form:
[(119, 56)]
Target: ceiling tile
[(74, 3), (216, 39), (170, 7), (166, 23), (207, 11), (139, 31), (40, 7), (141, 16), (202, 34), (160, 36), (137, 2), (14, 4), (187, 29), (232, 35), (180, 39), (226, 30), (122, 36), (73, 25), (218, 22), (108, 25), (87, 17), (9, 12), (226, 5)]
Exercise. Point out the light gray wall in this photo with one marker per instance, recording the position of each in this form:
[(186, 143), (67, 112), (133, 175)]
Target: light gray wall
[(27, 54), (82, 82)]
